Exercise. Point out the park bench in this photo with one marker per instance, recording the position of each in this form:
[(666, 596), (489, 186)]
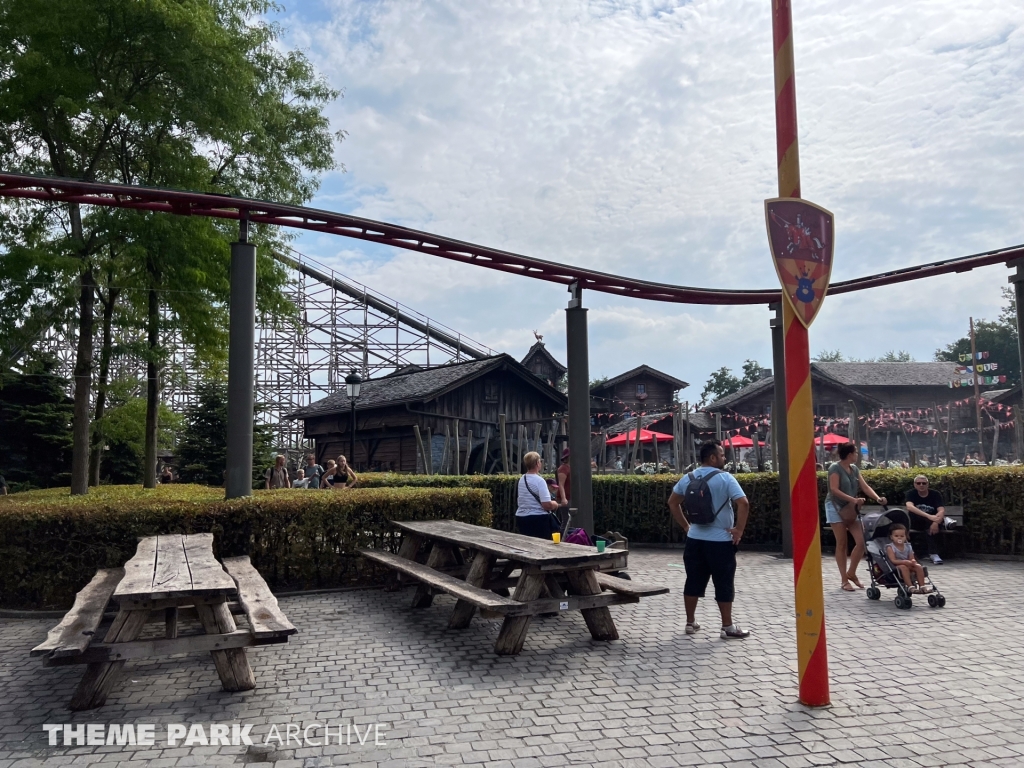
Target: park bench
[(170, 579), (476, 565), (951, 536)]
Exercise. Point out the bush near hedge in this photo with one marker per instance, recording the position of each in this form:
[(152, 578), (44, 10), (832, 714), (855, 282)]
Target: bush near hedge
[(51, 543), (636, 505)]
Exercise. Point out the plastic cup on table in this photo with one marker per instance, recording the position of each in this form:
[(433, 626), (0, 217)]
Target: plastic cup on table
[(556, 537), (600, 545)]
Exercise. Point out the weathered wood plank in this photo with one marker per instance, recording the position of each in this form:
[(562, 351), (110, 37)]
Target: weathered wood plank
[(75, 631), (513, 628), (572, 603), (232, 665), (171, 574), (624, 587), (512, 546), (479, 570), (453, 586), (146, 649), (265, 616), (599, 620), (208, 577), (99, 679), (138, 572), (440, 556)]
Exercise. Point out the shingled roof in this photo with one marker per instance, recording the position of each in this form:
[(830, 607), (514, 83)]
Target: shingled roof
[(700, 421), (423, 385), (889, 374), (855, 379), (641, 369), (539, 349)]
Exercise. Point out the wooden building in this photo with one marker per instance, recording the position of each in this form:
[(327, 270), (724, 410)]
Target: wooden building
[(461, 398), (912, 389), (641, 389), (542, 363)]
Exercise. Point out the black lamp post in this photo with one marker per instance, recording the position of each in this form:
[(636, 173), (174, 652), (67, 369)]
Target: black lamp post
[(353, 383)]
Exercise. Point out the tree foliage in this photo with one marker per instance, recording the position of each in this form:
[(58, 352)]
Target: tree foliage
[(35, 426), (202, 444), (997, 337), (193, 94), (723, 382)]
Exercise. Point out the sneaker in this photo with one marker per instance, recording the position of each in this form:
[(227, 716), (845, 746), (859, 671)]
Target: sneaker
[(734, 632), (936, 560), (691, 629)]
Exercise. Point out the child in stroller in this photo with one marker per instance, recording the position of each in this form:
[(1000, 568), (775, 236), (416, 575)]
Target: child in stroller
[(878, 528), (901, 554)]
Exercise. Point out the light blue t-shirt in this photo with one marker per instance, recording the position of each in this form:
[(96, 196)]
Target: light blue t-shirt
[(724, 489)]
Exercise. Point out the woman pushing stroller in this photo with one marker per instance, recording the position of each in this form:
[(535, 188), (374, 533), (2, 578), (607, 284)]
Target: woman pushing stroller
[(841, 508)]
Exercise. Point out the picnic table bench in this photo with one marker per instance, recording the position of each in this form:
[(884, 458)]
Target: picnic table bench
[(477, 566), (171, 578)]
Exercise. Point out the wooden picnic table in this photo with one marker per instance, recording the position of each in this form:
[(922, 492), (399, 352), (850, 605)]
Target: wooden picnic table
[(477, 566), (171, 577)]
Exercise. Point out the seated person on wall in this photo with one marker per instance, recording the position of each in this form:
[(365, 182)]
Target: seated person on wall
[(926, 514)]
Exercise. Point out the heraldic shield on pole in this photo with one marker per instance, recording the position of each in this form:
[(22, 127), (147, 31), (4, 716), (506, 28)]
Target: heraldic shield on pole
[(801, 236)]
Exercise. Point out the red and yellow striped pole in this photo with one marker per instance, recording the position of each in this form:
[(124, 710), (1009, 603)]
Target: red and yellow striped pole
[(812, 655)]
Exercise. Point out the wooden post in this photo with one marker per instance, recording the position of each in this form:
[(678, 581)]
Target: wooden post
[(422, 453), (446, 452), (456, 466), (687, 436), (551, 460), (977, 394), (484, 450), (430, 451), (995, 439), (888, 434), (757, 452), (504, 443), (854, 429), (718, 427), (1018, 433), (469, 449)]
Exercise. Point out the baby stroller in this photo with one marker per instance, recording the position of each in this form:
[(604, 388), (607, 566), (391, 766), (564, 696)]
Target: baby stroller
[(883, 573)]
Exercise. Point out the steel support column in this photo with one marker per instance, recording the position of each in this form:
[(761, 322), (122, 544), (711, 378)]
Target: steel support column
[(577, 360), (779, 431), (1018, 294), (241, 362)]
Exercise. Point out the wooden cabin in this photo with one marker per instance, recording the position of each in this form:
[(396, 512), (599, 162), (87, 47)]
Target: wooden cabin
[(460, 398), (643, 389)]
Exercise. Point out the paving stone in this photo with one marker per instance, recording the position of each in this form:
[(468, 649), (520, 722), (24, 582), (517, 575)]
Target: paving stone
[(656, 697)]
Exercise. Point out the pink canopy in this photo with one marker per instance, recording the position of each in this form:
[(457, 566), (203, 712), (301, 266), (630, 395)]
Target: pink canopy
[(739, 441), (646, 436), (831, 440)]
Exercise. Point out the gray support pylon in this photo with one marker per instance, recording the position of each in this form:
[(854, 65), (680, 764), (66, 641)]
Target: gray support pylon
[(241, 361), (577, 359), (779, 431)]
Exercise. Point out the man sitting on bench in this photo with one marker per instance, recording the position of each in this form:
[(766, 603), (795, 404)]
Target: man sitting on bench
[(926, 514)]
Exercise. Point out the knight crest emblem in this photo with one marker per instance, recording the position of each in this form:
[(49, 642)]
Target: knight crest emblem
[(801, 236)]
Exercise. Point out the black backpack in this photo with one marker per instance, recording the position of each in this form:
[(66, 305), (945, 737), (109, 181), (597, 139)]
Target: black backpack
[(700, 509)]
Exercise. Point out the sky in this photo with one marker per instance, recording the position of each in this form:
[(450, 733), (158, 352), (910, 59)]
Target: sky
[(638, 138)]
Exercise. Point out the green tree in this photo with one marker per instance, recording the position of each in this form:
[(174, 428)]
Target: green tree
[(160, 92), (721, 383), (893, 356), (123, 434), (752, 371), (35, 425), (832, 356), (997, 337), (202, 443)]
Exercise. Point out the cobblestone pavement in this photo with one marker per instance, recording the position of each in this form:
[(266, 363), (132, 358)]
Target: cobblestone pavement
[(909, 688)]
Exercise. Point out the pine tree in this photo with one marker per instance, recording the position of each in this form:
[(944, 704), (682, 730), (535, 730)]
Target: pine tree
[(203, 446), (35, 426)]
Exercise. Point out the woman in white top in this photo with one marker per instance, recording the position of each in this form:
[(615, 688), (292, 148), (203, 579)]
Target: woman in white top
[(533, 515)]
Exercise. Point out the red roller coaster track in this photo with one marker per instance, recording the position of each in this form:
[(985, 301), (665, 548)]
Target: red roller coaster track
[(54, 189)]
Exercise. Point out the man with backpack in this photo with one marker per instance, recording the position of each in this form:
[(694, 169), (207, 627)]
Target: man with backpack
[(712, 534)]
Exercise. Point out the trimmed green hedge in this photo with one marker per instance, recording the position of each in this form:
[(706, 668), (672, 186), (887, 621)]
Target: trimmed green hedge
[(51, 543), (635, 505)]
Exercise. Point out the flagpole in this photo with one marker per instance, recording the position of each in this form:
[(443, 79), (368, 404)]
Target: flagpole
[(812, 653), (977, 395)]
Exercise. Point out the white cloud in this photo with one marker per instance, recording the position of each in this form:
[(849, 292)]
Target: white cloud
[(638, 138)]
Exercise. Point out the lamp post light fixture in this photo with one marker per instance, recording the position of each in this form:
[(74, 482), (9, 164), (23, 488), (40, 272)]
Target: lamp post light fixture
[(353, 383)]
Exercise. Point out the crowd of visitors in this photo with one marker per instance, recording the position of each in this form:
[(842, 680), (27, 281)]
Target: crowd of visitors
[(338, 475)]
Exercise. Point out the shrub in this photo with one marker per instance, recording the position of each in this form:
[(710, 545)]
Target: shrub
[(636, 505), (51, 543)]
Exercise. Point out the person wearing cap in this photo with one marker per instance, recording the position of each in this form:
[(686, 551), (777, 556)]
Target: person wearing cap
[(564, 482)]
